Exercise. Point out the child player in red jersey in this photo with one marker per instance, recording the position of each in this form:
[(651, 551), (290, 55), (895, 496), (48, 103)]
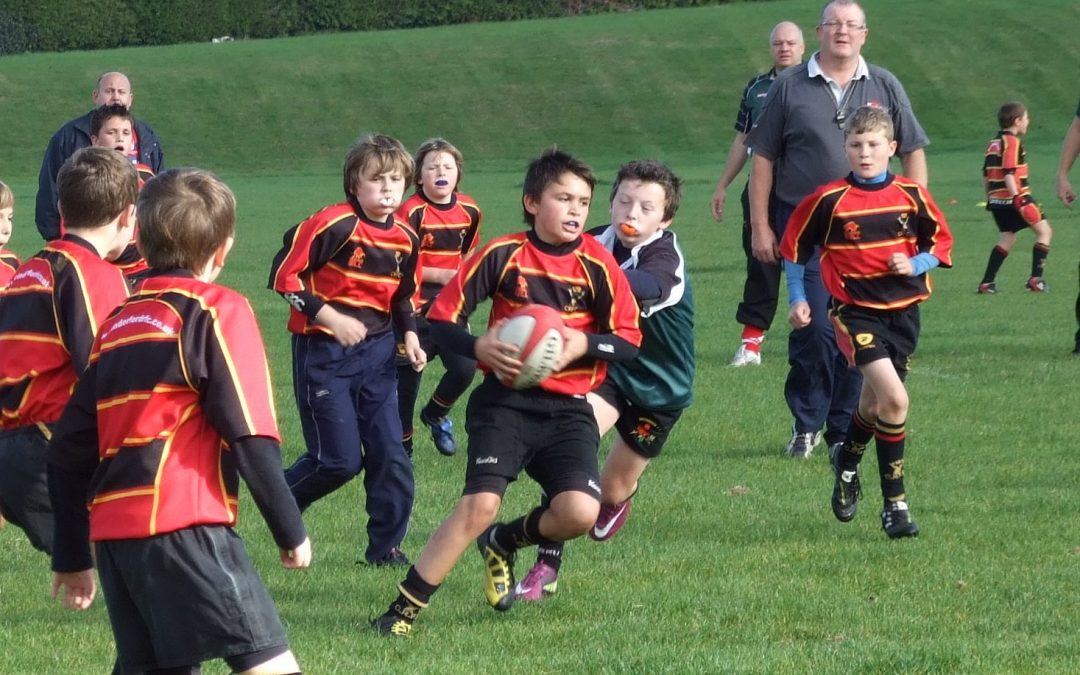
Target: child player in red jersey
[(448, 224), (1009, 200), (174, 407), (644, 398), (350, 272), (49, 315), (548, 431), (9, 262), (879, 235), (111, 126)]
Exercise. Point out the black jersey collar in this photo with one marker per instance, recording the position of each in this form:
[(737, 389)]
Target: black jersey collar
[(552, 249)]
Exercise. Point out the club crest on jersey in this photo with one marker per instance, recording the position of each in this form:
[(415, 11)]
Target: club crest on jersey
[(357, 258), (521, 290), (852, 232), (398, 256), (577, 296), (645, 430), (428, 241), (865, 339)]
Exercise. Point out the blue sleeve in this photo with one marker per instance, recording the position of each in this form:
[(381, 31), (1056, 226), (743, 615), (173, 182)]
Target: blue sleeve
[(796, 289), (645, 287), (923, 263)]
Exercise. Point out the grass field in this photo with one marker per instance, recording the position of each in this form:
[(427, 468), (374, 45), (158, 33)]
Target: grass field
[(731, 561)]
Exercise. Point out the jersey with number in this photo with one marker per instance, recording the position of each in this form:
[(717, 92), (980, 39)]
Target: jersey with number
[(49, 315), (1004, 155), (661, 377), (859, 227), (177, 374), (579, 279), (365, 269), (447, 232)]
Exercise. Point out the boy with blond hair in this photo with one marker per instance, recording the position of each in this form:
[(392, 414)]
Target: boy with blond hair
[(879, 235), (9, 262), (447, 222), (49, 315), (548, 431), (1009, 200), (174, 408), (350, 272)]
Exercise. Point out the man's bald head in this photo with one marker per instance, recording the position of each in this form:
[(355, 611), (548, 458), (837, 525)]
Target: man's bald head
[(113, 89), (786, 45)]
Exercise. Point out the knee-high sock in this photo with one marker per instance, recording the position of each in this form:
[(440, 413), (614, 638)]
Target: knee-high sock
[(890, 451)]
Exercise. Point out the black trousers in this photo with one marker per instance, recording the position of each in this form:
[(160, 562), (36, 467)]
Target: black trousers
[(761, 290)]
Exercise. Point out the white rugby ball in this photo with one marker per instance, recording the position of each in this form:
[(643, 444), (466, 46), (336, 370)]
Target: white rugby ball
[(536, 330)]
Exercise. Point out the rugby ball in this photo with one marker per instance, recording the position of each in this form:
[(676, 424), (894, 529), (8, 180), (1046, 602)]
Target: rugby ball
[(536, 330)]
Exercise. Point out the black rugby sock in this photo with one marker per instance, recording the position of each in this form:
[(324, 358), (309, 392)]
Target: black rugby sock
[(1038, 259), (859, 433), (997, 257), (890, 437)]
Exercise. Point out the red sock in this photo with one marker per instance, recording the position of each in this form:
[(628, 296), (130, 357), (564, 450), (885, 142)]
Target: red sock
[(752, 337)]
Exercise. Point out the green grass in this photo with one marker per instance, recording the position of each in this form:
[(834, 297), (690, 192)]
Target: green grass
[(703, 578)]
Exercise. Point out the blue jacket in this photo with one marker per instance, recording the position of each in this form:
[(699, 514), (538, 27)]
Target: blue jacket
[(71, 137)]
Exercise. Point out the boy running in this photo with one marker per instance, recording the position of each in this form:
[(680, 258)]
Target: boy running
[(643, 398), (549, 431), (448, 224), (1008, 199), (350, 272), (879, 235)]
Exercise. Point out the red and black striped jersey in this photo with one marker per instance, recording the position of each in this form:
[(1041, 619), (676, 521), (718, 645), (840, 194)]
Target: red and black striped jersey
[(858, 228), (362, 268), (1004, 155), (49, 315), (447, 232), (9, 262), (581, 280), (177, 374)]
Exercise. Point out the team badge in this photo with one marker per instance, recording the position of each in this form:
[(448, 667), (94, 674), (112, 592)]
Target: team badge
[(865, 339), (852, 231), (645, 431), (398, 255), (428, 241), (577, 295), (521, 291), (357, 258)]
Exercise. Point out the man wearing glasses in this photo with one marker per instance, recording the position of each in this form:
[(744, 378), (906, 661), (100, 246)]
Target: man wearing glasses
[(800, 135)]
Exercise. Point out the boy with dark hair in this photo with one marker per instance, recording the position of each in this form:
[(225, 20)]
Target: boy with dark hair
[(175, 406), (9, 262), (1009, 200), (112, 126), (548, 431), (49, 315), (350, 272), (643, 398), (879, 235), (448, 225)]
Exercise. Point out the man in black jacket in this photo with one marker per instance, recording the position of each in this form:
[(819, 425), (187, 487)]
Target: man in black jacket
[(112, 88)]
